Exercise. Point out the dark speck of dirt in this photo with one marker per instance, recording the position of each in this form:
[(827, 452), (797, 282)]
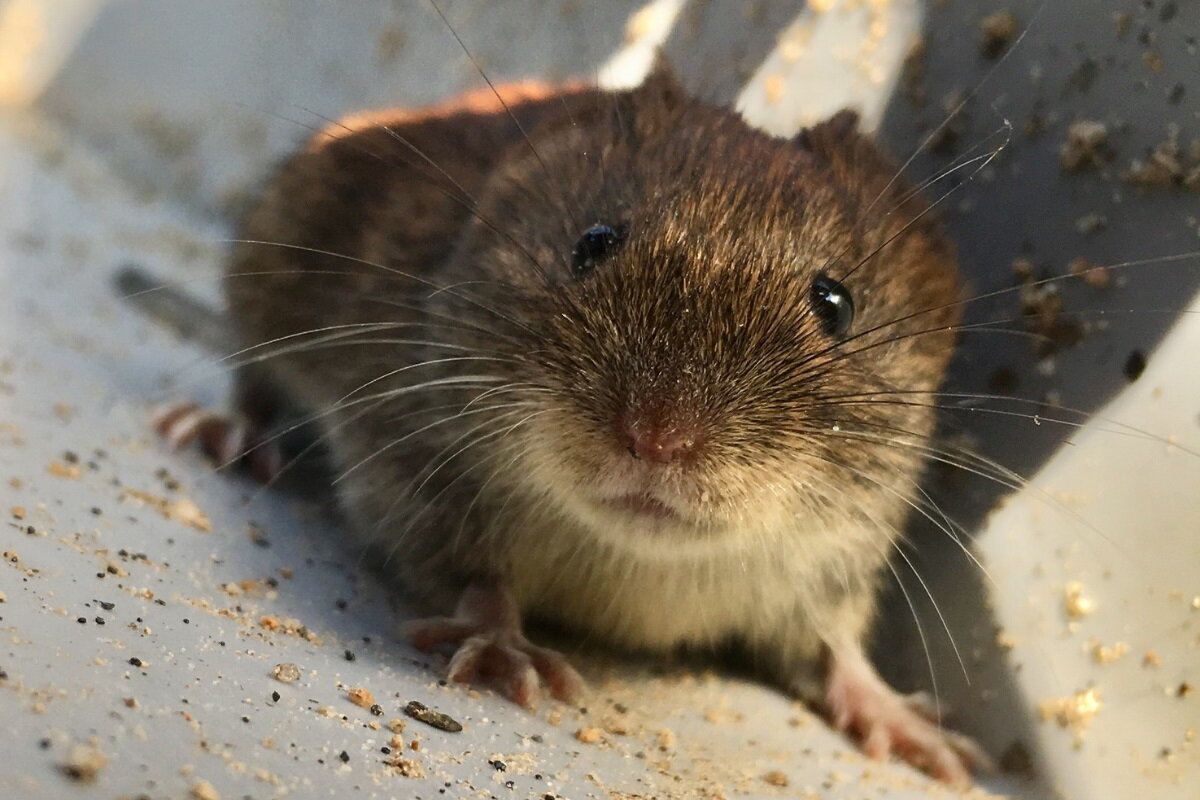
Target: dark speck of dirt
[(1084, 75), (1135, 365), (422, 713), (349, 654)]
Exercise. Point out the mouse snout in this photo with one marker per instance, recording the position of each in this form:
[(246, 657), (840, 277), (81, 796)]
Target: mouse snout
[(661, 438)]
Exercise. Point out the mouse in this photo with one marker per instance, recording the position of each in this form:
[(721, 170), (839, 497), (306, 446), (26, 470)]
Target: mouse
[(612, 359)]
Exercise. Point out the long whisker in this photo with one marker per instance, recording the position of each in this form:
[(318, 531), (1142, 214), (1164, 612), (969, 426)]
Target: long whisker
[(499, 98), (916, 507), (394, 442), (384, 267)]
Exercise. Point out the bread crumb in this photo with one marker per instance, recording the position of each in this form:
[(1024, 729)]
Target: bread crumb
[(18, 512), (83, 763), (1151, 659), (1095, 276), (286, 673), (1077, 604), (406, 767), (997, 31), (1106, 654), (1075, 712), (361, 697), (589, 735), (183, 510), (1086, 145), (776, 778), (60, 470), (666, 739), (396, 725), (203, 790)]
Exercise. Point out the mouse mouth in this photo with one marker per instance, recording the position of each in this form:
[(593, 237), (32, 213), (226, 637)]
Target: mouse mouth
[(641, 505)]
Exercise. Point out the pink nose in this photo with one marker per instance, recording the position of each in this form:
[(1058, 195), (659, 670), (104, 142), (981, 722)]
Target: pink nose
[(656, 445)]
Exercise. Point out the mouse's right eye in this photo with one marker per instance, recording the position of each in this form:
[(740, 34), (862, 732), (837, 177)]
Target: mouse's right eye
[(597, 244)]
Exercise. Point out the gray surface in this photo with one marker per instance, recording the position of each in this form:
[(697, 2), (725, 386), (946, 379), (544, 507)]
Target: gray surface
[(170, 112)]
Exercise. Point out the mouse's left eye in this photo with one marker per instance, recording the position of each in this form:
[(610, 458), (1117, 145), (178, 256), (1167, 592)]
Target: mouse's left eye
[(597, 244), (833, 305)]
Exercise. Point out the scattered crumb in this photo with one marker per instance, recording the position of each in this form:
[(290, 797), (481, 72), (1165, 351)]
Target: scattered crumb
[(1153, 61), (62, 470), (1151, 659), (997, 31), (18, 512), (776, 778), (774, 87), (1106, 654), (182, 510), (396, 725), (203, 790), (1005, 640), (1086, 146), (1075, 712), (616, 724), (1041, 306), (288, 625), (1167, 166), (589, 735), (666, 739), (1095, 276), (405, 767), (1077, 604), (361, 697), (286, 673), (1091, 223), (83, 763)]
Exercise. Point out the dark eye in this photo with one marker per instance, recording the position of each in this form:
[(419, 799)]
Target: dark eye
[(596, 244), (833, 305)]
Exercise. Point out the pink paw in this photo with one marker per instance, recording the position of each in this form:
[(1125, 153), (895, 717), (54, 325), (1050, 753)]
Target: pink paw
[(887, 723), (488, 644), (226, 439)]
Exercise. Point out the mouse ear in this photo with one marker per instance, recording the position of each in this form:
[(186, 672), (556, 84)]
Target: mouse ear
[(837, 128), (662, 83)]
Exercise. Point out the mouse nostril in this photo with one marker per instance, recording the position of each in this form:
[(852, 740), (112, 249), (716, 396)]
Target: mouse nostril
[(658, 446)]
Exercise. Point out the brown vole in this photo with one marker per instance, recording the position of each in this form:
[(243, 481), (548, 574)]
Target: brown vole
[(616, 360)]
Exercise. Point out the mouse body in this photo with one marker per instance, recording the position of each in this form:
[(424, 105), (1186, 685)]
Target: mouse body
[(614, 359)]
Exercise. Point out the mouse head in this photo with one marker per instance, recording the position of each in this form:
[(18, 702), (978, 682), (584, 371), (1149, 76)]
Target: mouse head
[(722, 332)]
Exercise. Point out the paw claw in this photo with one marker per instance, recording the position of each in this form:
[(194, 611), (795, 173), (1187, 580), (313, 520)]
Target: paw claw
[(887, 723), (502, 656), (226, 439)]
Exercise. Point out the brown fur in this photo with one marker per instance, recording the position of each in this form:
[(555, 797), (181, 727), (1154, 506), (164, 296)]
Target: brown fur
[(786, 510)]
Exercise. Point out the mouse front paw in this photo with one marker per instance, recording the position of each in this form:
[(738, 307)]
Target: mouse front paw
[(887, 723), (488, 644), (225, 438)]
